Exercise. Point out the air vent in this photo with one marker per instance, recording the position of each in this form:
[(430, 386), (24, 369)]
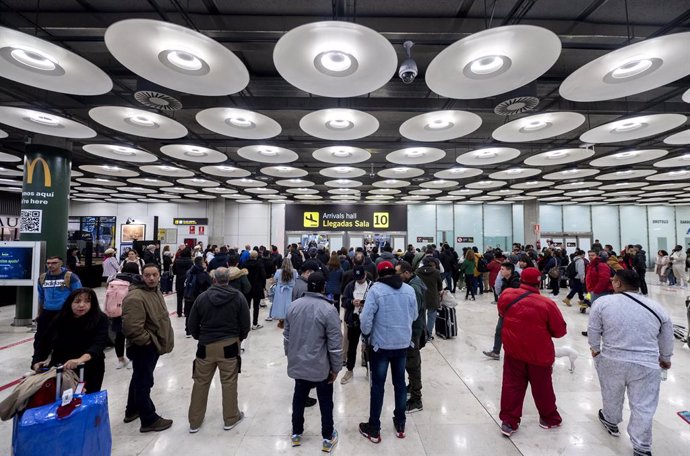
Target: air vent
[(157, 100), (516, 105)]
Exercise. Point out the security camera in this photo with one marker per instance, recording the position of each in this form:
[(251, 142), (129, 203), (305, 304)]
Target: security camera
[(408, 70)]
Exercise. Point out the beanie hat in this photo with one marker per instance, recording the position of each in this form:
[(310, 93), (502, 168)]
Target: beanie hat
[(530, 276)]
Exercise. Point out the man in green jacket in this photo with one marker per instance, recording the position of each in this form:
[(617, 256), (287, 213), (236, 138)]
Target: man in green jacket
[(414, 359), (146, 325)]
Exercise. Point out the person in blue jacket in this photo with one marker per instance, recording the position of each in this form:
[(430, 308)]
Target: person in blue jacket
[(54, 287)]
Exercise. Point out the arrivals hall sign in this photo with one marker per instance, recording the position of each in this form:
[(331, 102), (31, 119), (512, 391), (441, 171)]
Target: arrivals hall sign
[(336, 217)]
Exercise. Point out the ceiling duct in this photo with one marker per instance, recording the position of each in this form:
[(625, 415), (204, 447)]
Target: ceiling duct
[(154, 96), (518, 101)]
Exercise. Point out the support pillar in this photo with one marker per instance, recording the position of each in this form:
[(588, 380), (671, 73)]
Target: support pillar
[(217, 222), (531, 221), (44, 206)]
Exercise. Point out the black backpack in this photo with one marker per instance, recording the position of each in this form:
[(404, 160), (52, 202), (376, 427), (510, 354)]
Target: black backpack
[(571, 270), (482, 265)]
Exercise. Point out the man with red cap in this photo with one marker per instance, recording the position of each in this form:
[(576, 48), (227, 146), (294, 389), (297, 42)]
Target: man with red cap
[(386, 323), (530, 320)]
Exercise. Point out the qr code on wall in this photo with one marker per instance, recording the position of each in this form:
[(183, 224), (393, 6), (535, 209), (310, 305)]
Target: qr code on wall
[(31, 221)]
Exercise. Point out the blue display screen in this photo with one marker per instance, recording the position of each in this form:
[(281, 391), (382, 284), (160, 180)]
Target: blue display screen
[(15, 263)]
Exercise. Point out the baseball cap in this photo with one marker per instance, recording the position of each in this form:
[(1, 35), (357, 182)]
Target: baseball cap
[(316, 282), (359, 273), (385, 267), (530, 276)]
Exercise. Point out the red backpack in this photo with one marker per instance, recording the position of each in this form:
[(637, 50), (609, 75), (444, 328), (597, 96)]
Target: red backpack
[(114, 295)]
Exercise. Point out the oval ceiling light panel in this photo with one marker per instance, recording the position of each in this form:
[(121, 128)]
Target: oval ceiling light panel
[(538, 126), (559, 157), (225, 171), (44, 123), (3, 134), (35, 62), (629, 157), (267, 154), (681, 174), (120, 153), (415, 155), (176, 57), (440, 126), (343, 172), (679, 139), (344, 155), (401, 172), (493, 61), (193, 153), (108, 170), (138, 122), (630, 70), (165, 170), (9, 158), (238, 123), (335, 59), (626, 174), (515, 173), (339, 124), (487, 156), (568, 174), (283, 172), (678, 161), (458, 173), (633, 128)]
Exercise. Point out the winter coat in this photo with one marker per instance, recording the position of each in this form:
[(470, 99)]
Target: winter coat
[(312, 339), (662, 264), (257, 277), (145, 319), (197, 281), (333, 281), (529, 325), (269, 266), (70, 338), (598, 277), (348, 297), (300, 288), (219, 313), (468, 267), (432, 279), (180, 267), (239, 280), (640, 261), (494, 268), (388, 313), (219, 261), (282, 296), (418, 325), (167, 262)]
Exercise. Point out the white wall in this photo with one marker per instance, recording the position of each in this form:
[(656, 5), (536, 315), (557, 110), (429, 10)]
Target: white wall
[(421, 221), (248, 224)]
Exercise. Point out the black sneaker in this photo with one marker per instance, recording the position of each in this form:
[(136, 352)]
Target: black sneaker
[(399, 429), (310, 402), (610, 427), (491, 354), (413, 406), (130, 418), (161, 424), (637, 452), (369, 433)]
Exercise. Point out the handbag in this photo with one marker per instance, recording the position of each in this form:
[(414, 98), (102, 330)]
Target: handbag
[(447, 299), (554, 272)]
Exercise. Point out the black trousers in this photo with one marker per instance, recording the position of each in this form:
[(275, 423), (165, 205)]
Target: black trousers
[(324, 391), (643, 282), (144, 359), (256, 305), (353, 334)]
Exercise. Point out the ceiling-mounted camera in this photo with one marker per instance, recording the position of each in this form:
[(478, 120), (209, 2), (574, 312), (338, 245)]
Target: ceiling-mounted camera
[(408, 70)]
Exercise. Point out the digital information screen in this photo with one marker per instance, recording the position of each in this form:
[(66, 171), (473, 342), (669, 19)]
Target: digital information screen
[(15, 263)]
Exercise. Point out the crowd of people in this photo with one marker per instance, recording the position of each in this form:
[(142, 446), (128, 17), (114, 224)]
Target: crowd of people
[(389, 301)]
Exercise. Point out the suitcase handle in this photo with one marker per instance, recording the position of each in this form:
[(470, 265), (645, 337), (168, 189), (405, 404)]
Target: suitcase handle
[(59, 371)]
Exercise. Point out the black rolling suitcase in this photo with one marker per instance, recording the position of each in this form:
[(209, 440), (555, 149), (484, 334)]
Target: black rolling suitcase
[(446, 323)]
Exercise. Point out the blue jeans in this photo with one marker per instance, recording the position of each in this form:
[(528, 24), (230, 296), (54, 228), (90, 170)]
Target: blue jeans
[(430, 321), (448, 276), (379, 361), (324, 391)]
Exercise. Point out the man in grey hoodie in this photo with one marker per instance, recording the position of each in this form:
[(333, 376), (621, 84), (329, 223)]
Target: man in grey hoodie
[(313, 346)]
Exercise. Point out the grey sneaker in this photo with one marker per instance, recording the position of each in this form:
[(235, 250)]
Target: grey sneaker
[(161, 424), (492, 355), (507, 430), (232, 426), (610, 427)]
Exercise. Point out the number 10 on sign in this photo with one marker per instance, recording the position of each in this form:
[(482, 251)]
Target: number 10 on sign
[(381, 220)]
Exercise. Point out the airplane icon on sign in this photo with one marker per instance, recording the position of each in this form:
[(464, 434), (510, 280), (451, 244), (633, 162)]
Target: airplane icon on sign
[(311, 219)]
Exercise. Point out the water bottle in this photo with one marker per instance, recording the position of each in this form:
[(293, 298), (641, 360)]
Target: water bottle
[(664, 374)]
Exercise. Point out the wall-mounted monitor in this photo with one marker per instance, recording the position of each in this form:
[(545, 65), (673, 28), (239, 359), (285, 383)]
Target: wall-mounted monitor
[(18, 261)]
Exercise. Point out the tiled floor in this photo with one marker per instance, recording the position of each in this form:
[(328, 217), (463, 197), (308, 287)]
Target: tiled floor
[(461, 396)]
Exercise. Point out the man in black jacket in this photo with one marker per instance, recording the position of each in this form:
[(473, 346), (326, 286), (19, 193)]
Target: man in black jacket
[(219, 320), (640, 264), (220, 260), (509, 279)]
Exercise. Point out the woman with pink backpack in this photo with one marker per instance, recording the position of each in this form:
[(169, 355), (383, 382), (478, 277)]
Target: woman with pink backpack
[(115, 293)]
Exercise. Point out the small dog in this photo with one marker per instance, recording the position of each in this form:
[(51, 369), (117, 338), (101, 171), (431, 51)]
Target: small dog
[(570, 353)]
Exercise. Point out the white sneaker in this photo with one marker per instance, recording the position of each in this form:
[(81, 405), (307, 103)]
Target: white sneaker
[(126, 363), (346, 378), (268, 319), (254, 327)]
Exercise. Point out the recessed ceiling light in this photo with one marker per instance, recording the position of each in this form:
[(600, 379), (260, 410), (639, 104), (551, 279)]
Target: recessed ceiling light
[(635, 66), (142, 121), (284, 169), (196, 152), (167, 168), (33, 58), (339, 124), (569, 171), (627, 126), (535, 125), (111, 168), (401, 170), (342, 169), (484, 183), (487, 66), (557, 154), (486, 153), (623, 173), (198, 181), (126, 151), (240, 122), (532, 183), (44, 119), (678, 173), (515, 171), (342, 153), (439, 124), (623, 155), (268, 152), (415, 153), (225, 168), (336, 63), (183, 62), (458, 170)]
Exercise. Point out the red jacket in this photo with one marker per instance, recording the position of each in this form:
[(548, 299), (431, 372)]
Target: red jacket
[(529, 325), (598, 277), (494, 267)]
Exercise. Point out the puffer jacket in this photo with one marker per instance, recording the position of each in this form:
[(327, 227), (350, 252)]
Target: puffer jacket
[(598, 277), (432, 279), (419, 292), (312, 339), (145, 318), (529, 325), (239, 280)]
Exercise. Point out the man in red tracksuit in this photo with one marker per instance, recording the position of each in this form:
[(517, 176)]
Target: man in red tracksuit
[(529, 322), (598, 275)]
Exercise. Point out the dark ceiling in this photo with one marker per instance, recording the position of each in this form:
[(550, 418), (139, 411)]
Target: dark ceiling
[(587, 29)]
